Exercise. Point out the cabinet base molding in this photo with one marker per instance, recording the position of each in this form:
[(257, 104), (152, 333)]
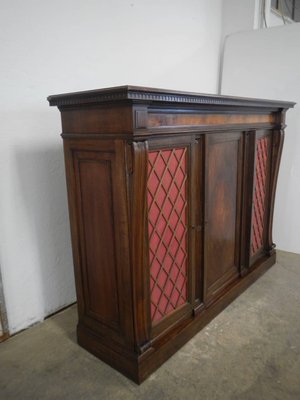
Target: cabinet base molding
[(139, 368)]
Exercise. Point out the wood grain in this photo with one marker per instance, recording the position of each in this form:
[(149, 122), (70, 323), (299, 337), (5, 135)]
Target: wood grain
[(158, 120)]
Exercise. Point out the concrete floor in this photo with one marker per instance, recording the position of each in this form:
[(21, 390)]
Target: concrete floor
[(251, 351)]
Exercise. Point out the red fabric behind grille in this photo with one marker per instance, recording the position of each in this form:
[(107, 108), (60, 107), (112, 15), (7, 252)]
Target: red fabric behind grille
[(258, 214), (167, 219)]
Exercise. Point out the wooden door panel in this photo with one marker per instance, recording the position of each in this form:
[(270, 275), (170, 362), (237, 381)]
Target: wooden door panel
[(169, 221), (222, 211), (167, 230), (260, 193)]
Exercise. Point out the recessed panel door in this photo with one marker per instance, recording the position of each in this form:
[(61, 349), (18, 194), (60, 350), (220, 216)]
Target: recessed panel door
[(223, 171), (259, 218)]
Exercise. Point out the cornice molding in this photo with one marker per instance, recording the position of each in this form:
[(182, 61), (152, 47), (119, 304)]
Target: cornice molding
[(149, 95)]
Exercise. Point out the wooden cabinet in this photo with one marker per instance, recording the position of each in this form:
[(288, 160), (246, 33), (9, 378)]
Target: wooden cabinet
[(171, 198)]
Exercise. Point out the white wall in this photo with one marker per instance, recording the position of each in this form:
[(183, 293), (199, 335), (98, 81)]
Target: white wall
[(274, 17), (266, 64), (3, 318), (240, 15), (247, 15), (55, 46)]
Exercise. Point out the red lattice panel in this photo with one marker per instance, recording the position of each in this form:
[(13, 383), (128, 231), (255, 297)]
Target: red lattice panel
[(167, 228), (258, 214)]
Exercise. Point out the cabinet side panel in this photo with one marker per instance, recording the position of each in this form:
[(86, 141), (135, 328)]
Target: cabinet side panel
[(98, 229), (167, 230)]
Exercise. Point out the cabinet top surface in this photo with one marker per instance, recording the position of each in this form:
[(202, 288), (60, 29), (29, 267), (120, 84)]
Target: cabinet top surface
[(137, 94)]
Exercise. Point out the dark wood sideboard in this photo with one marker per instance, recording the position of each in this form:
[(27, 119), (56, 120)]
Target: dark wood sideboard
[(171, 198)]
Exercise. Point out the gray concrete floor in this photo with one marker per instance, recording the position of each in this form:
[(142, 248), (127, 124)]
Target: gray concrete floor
[(251, 351)]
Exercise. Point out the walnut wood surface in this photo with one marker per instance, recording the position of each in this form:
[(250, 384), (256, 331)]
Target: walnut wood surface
[(223, 204), (194, 119), (108, 135)]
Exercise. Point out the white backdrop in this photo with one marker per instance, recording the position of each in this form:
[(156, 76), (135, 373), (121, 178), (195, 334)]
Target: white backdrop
[(49, 47)]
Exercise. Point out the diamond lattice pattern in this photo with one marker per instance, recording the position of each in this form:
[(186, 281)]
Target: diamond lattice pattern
[(167, 229), (258, 215)]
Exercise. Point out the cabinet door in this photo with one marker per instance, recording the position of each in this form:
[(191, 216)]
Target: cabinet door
[(260, 193), (170, 222), (223, 181)]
